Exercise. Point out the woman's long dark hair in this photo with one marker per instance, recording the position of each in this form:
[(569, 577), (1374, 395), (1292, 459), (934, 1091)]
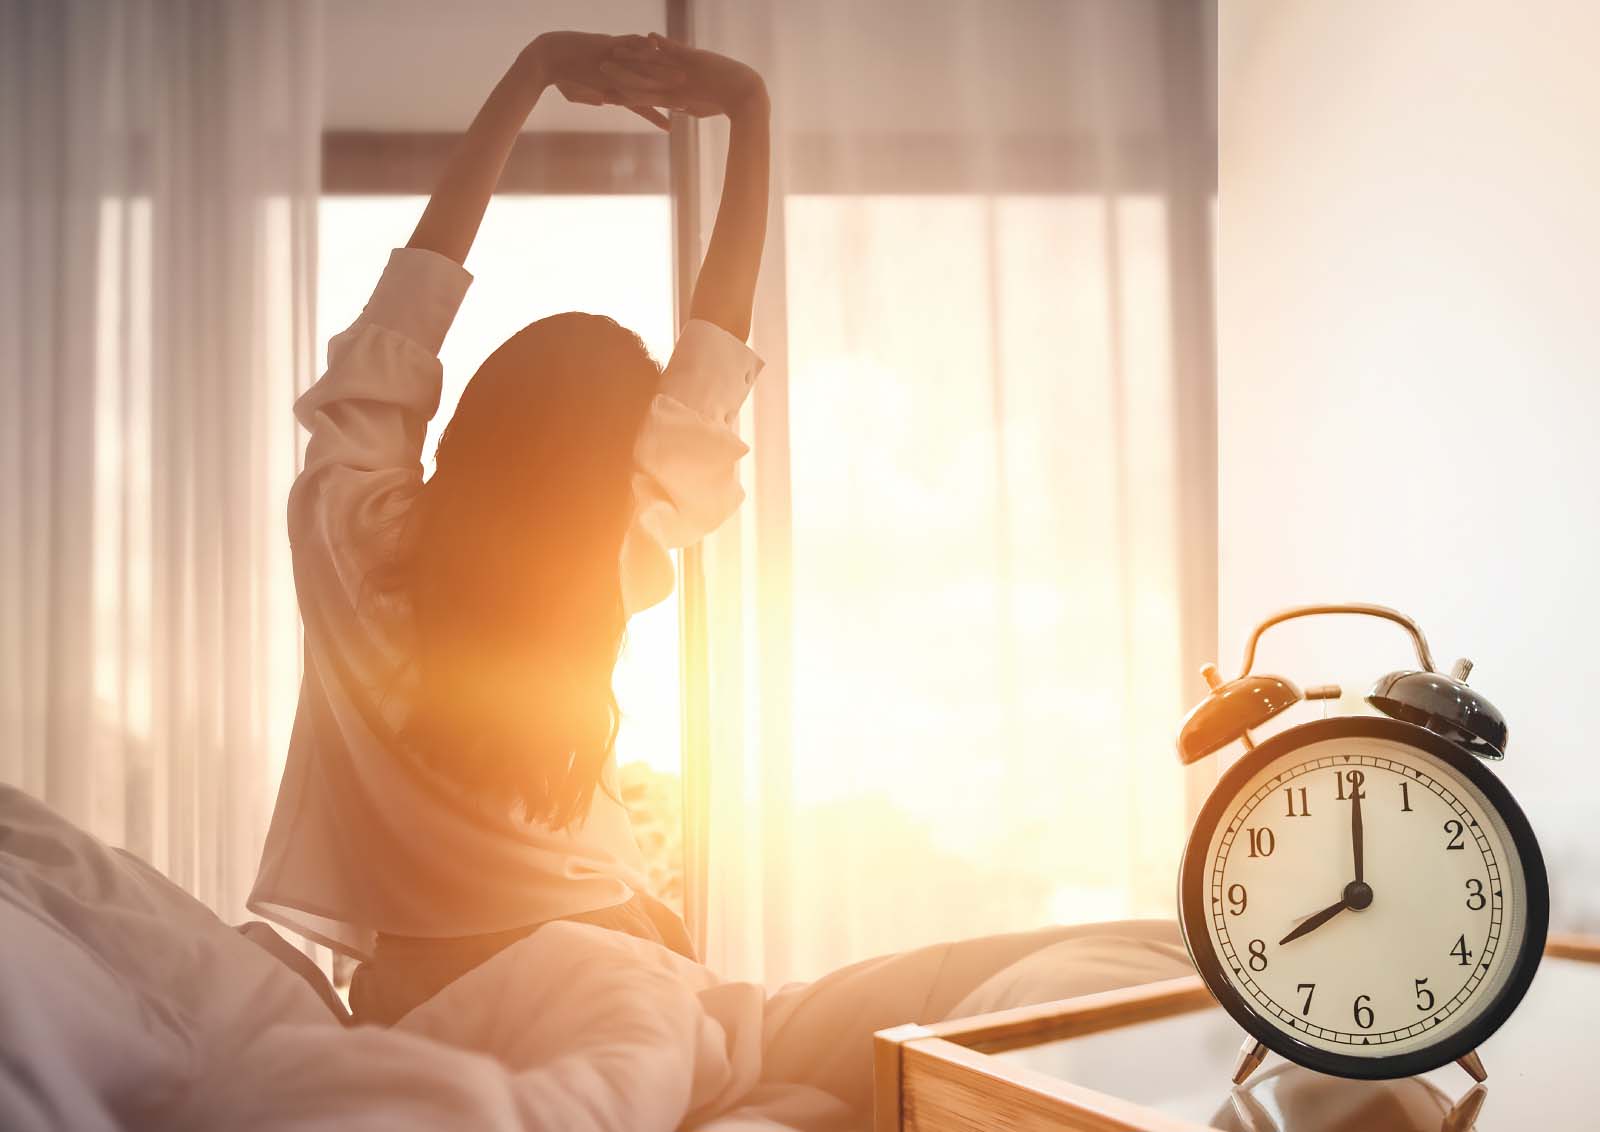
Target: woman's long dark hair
[(510, 565)]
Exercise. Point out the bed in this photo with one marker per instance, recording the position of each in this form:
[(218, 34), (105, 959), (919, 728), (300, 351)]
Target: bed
[(124, 1003)]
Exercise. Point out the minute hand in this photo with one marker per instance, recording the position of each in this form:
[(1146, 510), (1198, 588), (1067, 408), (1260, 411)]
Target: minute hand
[(1356, 831), (1314, 922)]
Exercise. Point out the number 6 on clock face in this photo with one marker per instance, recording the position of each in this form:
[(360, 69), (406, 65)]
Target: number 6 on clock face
[(1363, 896)]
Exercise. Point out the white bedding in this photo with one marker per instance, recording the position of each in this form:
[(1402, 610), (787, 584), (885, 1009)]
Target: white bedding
[(125, 1004)]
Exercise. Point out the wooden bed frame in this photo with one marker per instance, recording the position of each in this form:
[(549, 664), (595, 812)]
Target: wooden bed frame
[(939, 1078)]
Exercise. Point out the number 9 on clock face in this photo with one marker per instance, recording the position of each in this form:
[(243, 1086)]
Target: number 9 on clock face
[(1364, 897)]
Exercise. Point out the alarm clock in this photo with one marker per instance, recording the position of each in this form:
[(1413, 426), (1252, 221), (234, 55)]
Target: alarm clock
[(1361, 894)]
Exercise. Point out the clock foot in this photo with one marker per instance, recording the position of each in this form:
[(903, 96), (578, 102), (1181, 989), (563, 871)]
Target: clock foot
[(1474, 1066), (1251, 1054), (1463, 1115)]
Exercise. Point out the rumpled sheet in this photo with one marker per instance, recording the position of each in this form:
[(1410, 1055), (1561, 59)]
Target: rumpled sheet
[(126, 1004)]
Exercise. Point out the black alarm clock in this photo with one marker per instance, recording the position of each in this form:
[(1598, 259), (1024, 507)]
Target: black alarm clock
[(1361, 894)]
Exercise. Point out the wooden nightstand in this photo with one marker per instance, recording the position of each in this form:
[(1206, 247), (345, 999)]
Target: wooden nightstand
[(1159, 1057)]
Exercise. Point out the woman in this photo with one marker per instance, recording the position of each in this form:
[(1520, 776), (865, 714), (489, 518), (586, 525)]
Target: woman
[(451, 782)]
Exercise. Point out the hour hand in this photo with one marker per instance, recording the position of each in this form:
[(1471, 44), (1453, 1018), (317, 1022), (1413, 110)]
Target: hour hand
[(1312, 923)]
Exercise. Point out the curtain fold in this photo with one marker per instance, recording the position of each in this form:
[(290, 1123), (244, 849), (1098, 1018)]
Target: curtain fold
[(949, 637), (158, 204)]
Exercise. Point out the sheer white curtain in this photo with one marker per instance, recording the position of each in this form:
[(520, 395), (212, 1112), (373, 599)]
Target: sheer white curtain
[(159, 169), (950, 637)]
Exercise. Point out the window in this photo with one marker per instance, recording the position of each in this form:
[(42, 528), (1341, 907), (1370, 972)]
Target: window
[(986, 651)]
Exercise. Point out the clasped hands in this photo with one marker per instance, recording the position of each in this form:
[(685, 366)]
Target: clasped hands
[(646, 74)]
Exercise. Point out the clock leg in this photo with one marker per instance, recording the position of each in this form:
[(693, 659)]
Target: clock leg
[(1251, 1054), (1474, 1066), (1463, 1115)]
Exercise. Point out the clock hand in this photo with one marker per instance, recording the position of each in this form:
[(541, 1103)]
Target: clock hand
[(1315, 922), (1356, 832)]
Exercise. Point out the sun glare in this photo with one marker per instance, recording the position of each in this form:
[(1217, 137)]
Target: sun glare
[(537, 256)]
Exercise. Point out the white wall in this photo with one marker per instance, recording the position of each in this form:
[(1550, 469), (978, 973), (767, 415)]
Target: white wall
[(1409, 348)]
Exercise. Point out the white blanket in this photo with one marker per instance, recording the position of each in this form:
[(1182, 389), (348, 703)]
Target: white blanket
[(126, 1004)]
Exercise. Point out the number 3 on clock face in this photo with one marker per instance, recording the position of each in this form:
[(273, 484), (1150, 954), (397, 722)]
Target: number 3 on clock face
[(1364, 897)]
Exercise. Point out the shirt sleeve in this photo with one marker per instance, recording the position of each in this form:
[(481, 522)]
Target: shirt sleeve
[(368, 414), (686, 477)]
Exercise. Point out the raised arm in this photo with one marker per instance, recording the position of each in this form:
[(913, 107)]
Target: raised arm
[(568, 60), (724, 292)]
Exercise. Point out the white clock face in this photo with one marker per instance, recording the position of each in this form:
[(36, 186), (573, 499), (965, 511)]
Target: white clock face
[(1387, 962)]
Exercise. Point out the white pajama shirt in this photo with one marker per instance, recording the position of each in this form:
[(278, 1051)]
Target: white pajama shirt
[(365, 839)]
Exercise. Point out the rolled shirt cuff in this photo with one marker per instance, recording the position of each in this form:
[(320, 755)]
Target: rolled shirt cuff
[(418, 296), (711, 371)]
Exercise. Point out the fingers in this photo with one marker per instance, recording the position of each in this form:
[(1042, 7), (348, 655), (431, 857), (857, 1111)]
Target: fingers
[(653, 116), (668, 46), (695, 107), (643, 76), (586, 96), (636, 73), (652, 47), (638, 103), (646, 55)]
